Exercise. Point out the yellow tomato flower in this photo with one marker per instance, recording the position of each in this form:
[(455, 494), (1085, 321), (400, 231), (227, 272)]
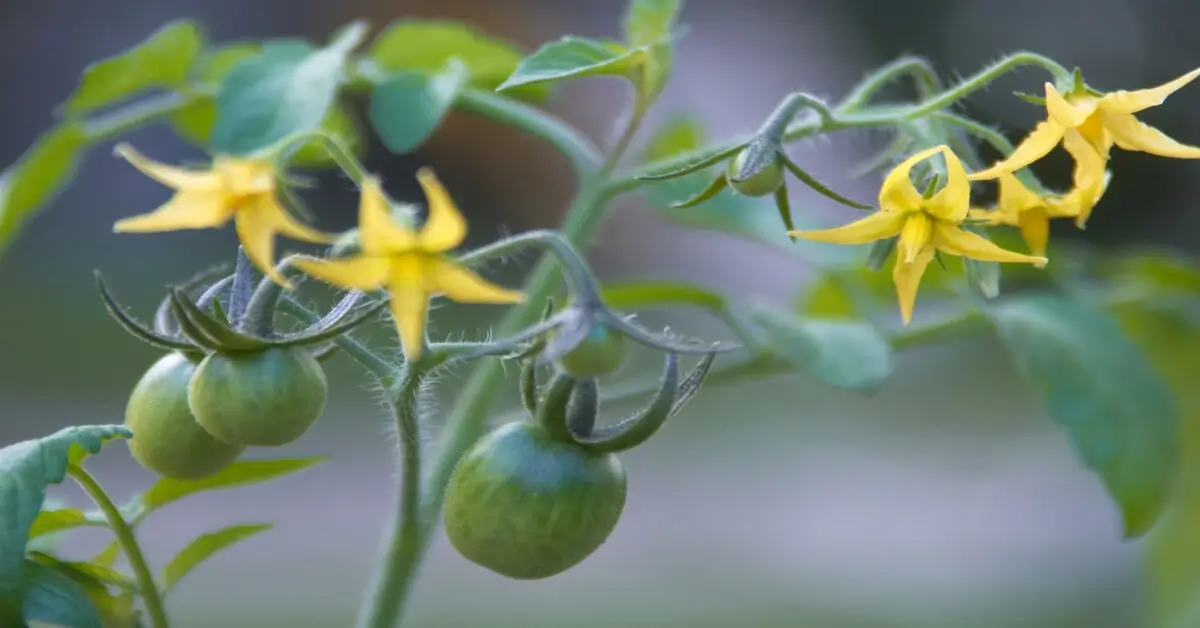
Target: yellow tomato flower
[(1088, 125), (1031, 213), (409, 263), (242, 190), (925, 225)]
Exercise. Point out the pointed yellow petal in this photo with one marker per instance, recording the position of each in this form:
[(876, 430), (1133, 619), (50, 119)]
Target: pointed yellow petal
[(351, 273), (1014, 196), (952, 201), (914, 237), (957, 241), (1066, 114), (992, 216), (288, 225), (876, 226), (246, 177), (459, 284), (898, 192), (1135, 101), (1132, 134), (1035, 230), (170, 176), (445, 228), (907, 277), (185, 210), (409, 302), (257, 235), (378, 232), (1044, 137), (1090, 180)]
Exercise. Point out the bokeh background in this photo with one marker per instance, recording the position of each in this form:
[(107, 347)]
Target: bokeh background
[(947, 500)]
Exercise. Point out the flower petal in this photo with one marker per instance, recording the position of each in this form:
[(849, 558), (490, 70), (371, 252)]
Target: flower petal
[(445, 228), (352, 273), (378, 233), (898, 192), (256, 231), (992, 216), (907, 277), (1044, 137), (876, 226), (462, 285), (914, 237), (185, 210), (1014, 197), (1067, 114), (957, 241), (1133, 134), (1135, 101), (409, 302), (288, 225), (1035, 230), (1090, 180), (170, 176), (952, 201)]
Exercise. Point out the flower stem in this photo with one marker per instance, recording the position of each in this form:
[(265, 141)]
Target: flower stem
[(582, 154), (134, 116), (125, 537)]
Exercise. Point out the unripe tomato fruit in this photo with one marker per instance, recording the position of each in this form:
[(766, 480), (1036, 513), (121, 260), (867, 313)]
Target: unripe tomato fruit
[(601, 352), (166, 437), (761, 183), (262, 399), (527, 506)]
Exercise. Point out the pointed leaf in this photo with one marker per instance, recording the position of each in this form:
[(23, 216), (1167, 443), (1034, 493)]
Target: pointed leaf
[(845, 354), (204, 547), (52, 521), (572, 57), (87, 574), (37, 177), (55, 600), (634, 295), (162, 60), (409, 107), (650, 21), (1121, 416), (240, 473)]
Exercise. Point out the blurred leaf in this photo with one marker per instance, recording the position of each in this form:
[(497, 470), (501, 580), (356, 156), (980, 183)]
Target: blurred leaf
[(240, 473), (54, 599), (1163, 269), (849, 355), (426, 46), (409, 107), (204, 547), (640, 294), (162, 60), (1097, 384), (572, 57), (194, 122), (38, 176), (51, 521), (26, 468), (108, 556), (85, 573), (649, 25), (116, 611), (287, 89)]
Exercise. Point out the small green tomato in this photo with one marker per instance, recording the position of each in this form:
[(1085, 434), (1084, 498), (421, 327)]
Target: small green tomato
[(166, 437), (761, 183), (262, 399), (527, 506), (601, 352)]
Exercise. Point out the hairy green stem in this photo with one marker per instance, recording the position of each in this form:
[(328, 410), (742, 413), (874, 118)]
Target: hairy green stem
[(378, 367), (128, 541), (582, 154), (916, 67)]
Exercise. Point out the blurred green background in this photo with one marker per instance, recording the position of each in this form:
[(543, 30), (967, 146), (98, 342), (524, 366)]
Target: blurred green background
[(947, 500)]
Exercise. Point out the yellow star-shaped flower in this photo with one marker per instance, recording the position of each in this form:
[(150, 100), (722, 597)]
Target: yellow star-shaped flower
[(242, 190), (409, 264), (1088, 125), (1031, 213), (925, 225)]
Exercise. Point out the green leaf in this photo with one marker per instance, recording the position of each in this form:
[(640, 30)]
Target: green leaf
[(194, 122), (407, 109), (339, 124), (426, 46), (1121, 416), (54, 599), (116, 611), (650, 22), (38, 176), (845, 354), (572, 57), (52, 521), (287, 89), (26, 468), (163, 60), (640, 294), (204, 547), (85, 573), (108, 556), (240, 473)]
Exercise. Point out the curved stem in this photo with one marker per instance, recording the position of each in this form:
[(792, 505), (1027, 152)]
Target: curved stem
[(387, 594), (580, 151), (128, 541), (138, 114), (997, 141), (631, 128), (368, 359), (576, 271), (916, 67)]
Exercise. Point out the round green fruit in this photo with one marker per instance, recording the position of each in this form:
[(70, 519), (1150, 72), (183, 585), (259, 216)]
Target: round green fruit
[(761, 183), (261, 399), (527, 506), (166, 437), (601, 352)]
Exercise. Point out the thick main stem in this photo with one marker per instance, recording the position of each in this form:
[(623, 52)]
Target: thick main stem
[(128, 542)]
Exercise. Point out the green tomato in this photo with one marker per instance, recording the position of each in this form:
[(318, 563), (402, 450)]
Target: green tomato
[(761, 183), (601, 352), (262, 399), (166, 437), (527, 506)]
